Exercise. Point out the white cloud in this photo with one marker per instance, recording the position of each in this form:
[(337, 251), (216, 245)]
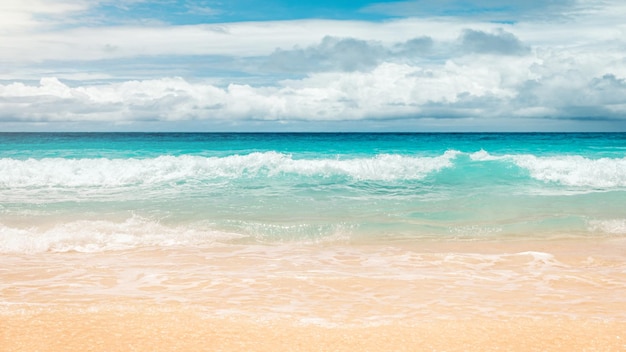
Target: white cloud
[(18, 16), (390, 90), (573, 68), (558, 84), (236, 39)]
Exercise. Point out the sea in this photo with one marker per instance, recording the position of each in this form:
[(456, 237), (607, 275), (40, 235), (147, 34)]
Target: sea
[(321, 228)]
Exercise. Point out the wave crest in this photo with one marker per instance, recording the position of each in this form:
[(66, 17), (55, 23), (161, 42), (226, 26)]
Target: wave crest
[(567, 170), (163, 169)]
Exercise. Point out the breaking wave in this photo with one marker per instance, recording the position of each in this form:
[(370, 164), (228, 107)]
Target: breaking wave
[(165, 169), (567, 170)]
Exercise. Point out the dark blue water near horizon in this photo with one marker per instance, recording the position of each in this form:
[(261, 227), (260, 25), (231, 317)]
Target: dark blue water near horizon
[(140, 144)]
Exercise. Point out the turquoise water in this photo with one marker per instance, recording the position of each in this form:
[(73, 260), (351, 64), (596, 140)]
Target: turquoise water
[(99, 192)]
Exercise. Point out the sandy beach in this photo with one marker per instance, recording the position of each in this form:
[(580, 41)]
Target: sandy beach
[(548, 295), (154, 328)]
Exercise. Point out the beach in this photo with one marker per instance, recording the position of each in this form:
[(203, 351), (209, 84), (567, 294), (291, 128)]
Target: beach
[(396, 175), (513, 296), (309, 242), (185, 331)]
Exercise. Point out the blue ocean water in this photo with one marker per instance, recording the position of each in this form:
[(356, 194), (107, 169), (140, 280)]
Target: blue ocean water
[(109, 191)]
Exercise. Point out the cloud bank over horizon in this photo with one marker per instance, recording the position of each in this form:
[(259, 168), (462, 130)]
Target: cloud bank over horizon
[(105, 65)]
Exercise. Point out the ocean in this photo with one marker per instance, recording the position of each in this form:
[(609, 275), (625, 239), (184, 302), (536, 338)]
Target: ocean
[(327, 229), (91, 192)]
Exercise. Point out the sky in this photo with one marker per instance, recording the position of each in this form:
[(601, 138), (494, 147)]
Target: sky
[(280, 65)]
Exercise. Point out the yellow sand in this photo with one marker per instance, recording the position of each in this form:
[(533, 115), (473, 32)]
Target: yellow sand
[(151, 329), (516, 295)]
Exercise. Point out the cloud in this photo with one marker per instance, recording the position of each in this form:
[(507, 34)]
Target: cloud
[(388, 91), (19, 16), (416, 47), (499, 42), (240, 39), (478, 87), (346, 54), (342, 54), (571, 95), (449, 68), (607, 89), (202, 10), (352, 54)]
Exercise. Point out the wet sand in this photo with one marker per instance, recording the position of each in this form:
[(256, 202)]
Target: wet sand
[(504, 295)]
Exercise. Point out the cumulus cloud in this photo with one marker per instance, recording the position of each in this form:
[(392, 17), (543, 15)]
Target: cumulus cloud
[(343, 54), (415, 47), (499, 42), (352, 54), (571, 95), (389, 90), (236, 73), (470, 88), (346, 54)]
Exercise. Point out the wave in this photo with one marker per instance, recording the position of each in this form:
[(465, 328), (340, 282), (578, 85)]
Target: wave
[(103, 235), (163, 169), (136, 232), (567, 170)]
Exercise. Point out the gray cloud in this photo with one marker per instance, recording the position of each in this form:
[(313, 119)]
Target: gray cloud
[(500, 42), (351, 54), (345, 54), (332, 54), (564, 97), (416, 47), (600, 98), (608, 89)]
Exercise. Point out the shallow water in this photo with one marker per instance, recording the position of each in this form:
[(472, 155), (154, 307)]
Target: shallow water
[(336, 284)]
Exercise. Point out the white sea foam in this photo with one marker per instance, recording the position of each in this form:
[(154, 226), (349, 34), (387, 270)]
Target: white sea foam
[(381, 167), (100, 235), (483, 155), (576, 170), (568, 170), (611, 226), (58, 172)]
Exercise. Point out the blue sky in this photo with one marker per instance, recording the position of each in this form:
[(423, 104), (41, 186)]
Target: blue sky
[(277, 65), (180, 12)]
